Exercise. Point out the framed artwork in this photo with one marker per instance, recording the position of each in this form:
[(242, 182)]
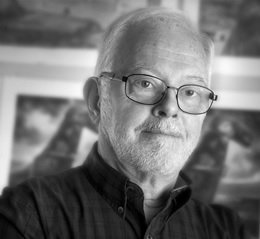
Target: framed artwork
[(44, 128), (233, 25), (65, 23)]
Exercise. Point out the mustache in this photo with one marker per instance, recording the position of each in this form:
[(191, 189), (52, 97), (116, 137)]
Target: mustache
[(168, 127)]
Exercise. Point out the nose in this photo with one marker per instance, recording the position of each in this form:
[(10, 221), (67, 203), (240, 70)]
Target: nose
[(168, 106)]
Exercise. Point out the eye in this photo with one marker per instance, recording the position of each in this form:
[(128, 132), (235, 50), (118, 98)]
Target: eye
[(190, 92), (145, 84)]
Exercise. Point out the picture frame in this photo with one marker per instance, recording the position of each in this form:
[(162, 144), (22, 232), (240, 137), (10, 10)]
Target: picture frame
[(37, 72), (13, 87)]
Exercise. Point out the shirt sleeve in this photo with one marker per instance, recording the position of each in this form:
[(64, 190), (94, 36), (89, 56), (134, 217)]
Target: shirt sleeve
[(9, 231)]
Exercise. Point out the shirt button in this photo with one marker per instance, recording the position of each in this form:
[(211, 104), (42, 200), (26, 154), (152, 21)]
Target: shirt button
[(149, 237), (120, 210)]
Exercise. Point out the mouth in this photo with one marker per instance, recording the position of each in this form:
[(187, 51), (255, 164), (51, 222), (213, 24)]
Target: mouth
[(158, 132)]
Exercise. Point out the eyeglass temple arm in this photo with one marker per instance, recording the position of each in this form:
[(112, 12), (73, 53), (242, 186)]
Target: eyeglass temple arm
[(109, 75), (112, 76)]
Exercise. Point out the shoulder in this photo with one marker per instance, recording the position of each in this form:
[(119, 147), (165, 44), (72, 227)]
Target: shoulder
[(218, 219), (32, 202), (47, 188)]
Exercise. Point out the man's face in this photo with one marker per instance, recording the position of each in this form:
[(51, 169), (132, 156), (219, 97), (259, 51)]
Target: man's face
[(156, 139)]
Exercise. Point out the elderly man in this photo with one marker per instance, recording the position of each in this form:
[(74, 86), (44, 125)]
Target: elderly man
[(149, 98)]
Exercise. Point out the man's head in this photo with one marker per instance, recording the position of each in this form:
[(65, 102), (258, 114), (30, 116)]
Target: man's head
[(149, 135)]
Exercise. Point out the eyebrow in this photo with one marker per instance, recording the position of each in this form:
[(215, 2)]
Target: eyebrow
[(138, 69), (147, 70), (198, 79)]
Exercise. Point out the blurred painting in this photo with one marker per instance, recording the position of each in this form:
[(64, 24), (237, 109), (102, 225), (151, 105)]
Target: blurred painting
[(225, 168), (50, 135), (233, 26), (64, 23)]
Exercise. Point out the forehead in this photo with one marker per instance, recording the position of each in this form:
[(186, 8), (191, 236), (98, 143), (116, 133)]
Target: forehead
[(160, 44)]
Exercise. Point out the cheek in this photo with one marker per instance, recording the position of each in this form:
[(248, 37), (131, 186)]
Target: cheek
[(129, 115), (126, 112), (193, 126)]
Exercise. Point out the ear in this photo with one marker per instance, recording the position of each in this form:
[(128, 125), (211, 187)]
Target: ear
[(92, 98)]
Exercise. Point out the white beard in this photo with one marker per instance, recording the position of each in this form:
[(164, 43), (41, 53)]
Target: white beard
[(156, 155)]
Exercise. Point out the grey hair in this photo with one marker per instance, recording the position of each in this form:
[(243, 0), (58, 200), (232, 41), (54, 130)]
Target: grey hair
[(112, 36)]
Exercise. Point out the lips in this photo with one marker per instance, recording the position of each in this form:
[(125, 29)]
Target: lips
[(163, 132), (158, 127)]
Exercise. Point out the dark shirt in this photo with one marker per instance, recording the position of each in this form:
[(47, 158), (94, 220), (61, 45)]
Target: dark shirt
[(96, 201)]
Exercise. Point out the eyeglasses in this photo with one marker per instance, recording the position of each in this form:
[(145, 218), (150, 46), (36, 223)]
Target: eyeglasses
[(150, 90)]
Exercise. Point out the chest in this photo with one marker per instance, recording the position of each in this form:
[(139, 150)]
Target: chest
[(104, 222)]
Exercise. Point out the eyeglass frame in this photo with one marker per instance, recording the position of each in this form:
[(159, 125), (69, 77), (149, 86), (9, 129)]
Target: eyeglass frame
[(112, 76)]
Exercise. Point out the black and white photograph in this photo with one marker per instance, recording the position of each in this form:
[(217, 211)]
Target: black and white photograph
[(111, 142)]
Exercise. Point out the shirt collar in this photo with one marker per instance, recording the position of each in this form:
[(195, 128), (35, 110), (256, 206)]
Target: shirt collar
[(113, 186)]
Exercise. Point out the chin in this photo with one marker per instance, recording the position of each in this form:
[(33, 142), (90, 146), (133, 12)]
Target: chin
[(152, 161)]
